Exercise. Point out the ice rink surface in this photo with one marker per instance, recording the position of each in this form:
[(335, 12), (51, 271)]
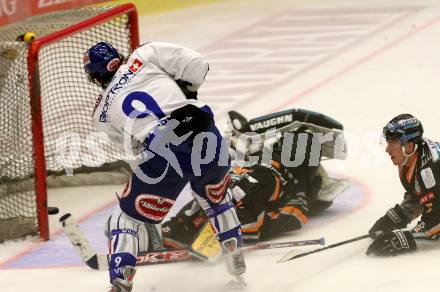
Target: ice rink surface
[(361, 62)]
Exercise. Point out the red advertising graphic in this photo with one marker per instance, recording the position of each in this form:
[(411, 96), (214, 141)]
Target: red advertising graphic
[(16, 10)]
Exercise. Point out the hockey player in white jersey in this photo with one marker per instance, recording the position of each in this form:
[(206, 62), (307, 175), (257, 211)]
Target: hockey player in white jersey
[(149, 104)]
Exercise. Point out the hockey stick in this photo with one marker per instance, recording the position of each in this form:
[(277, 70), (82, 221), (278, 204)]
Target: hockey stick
[(294, 254), (100, 261), (272, 245), (82, 245), (187, 253)]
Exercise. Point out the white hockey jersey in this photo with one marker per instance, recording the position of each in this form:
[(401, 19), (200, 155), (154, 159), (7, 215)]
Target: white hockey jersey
[(143, 91)]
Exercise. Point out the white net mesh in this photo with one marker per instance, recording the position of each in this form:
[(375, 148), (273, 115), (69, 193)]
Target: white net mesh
[(67, 104)]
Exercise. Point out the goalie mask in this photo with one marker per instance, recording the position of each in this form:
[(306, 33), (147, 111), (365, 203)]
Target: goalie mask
[(101, 63)]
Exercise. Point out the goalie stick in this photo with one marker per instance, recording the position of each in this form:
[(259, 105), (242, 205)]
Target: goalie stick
[(100, 261)]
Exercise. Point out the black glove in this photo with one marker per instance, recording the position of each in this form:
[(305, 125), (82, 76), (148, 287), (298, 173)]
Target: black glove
[(394, 219), (190, 118), (183, 228), (393, 243), (186, 89)]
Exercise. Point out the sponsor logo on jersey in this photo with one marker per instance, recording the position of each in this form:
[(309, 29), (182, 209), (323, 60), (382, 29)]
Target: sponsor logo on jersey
[(216, 192), (271, 122), (153, 207), (428, 177), (113, 65), (126, 77), (136, 66), (105, 108)]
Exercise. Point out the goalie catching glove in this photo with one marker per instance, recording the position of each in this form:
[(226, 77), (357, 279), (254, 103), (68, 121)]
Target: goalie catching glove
[(392, 244)]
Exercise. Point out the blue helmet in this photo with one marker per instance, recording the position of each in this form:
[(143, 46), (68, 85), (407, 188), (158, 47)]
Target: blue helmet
[(101, 63), (404, 128)]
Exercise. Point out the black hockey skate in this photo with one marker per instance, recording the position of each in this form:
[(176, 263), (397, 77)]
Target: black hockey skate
[(125, 284), (234, 257)]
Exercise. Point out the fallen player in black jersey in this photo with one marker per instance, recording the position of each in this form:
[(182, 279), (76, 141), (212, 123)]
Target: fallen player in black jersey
[(271, 198)]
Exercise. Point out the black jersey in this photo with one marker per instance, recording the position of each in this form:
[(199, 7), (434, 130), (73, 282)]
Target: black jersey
[(421, 179)]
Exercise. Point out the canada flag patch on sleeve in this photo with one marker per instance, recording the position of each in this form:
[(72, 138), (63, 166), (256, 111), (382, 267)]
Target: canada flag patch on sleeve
[(136, 66)]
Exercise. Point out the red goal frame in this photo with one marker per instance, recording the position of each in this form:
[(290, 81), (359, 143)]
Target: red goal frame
[(35, 98)]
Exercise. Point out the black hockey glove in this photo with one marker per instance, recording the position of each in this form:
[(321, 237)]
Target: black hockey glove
[(392, 244), (190, 118), (394, 219), (186, 89)]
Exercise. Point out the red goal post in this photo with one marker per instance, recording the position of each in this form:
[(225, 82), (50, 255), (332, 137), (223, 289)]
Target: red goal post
[(60, 101)]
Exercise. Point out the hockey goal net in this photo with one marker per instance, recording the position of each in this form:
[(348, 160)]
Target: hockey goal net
[(46, 104)]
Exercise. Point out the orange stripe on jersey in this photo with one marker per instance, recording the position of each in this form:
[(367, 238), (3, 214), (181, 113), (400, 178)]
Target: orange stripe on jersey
[(276, 192), (411, 166), (276, 164), (274, 215), (291, 210), (255, 227)]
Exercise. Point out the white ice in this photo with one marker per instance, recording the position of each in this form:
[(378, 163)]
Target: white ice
[(383, 63)]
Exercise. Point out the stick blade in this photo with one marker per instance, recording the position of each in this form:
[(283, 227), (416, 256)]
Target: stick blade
[(289, 256), (98, 262), (82, 245)]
